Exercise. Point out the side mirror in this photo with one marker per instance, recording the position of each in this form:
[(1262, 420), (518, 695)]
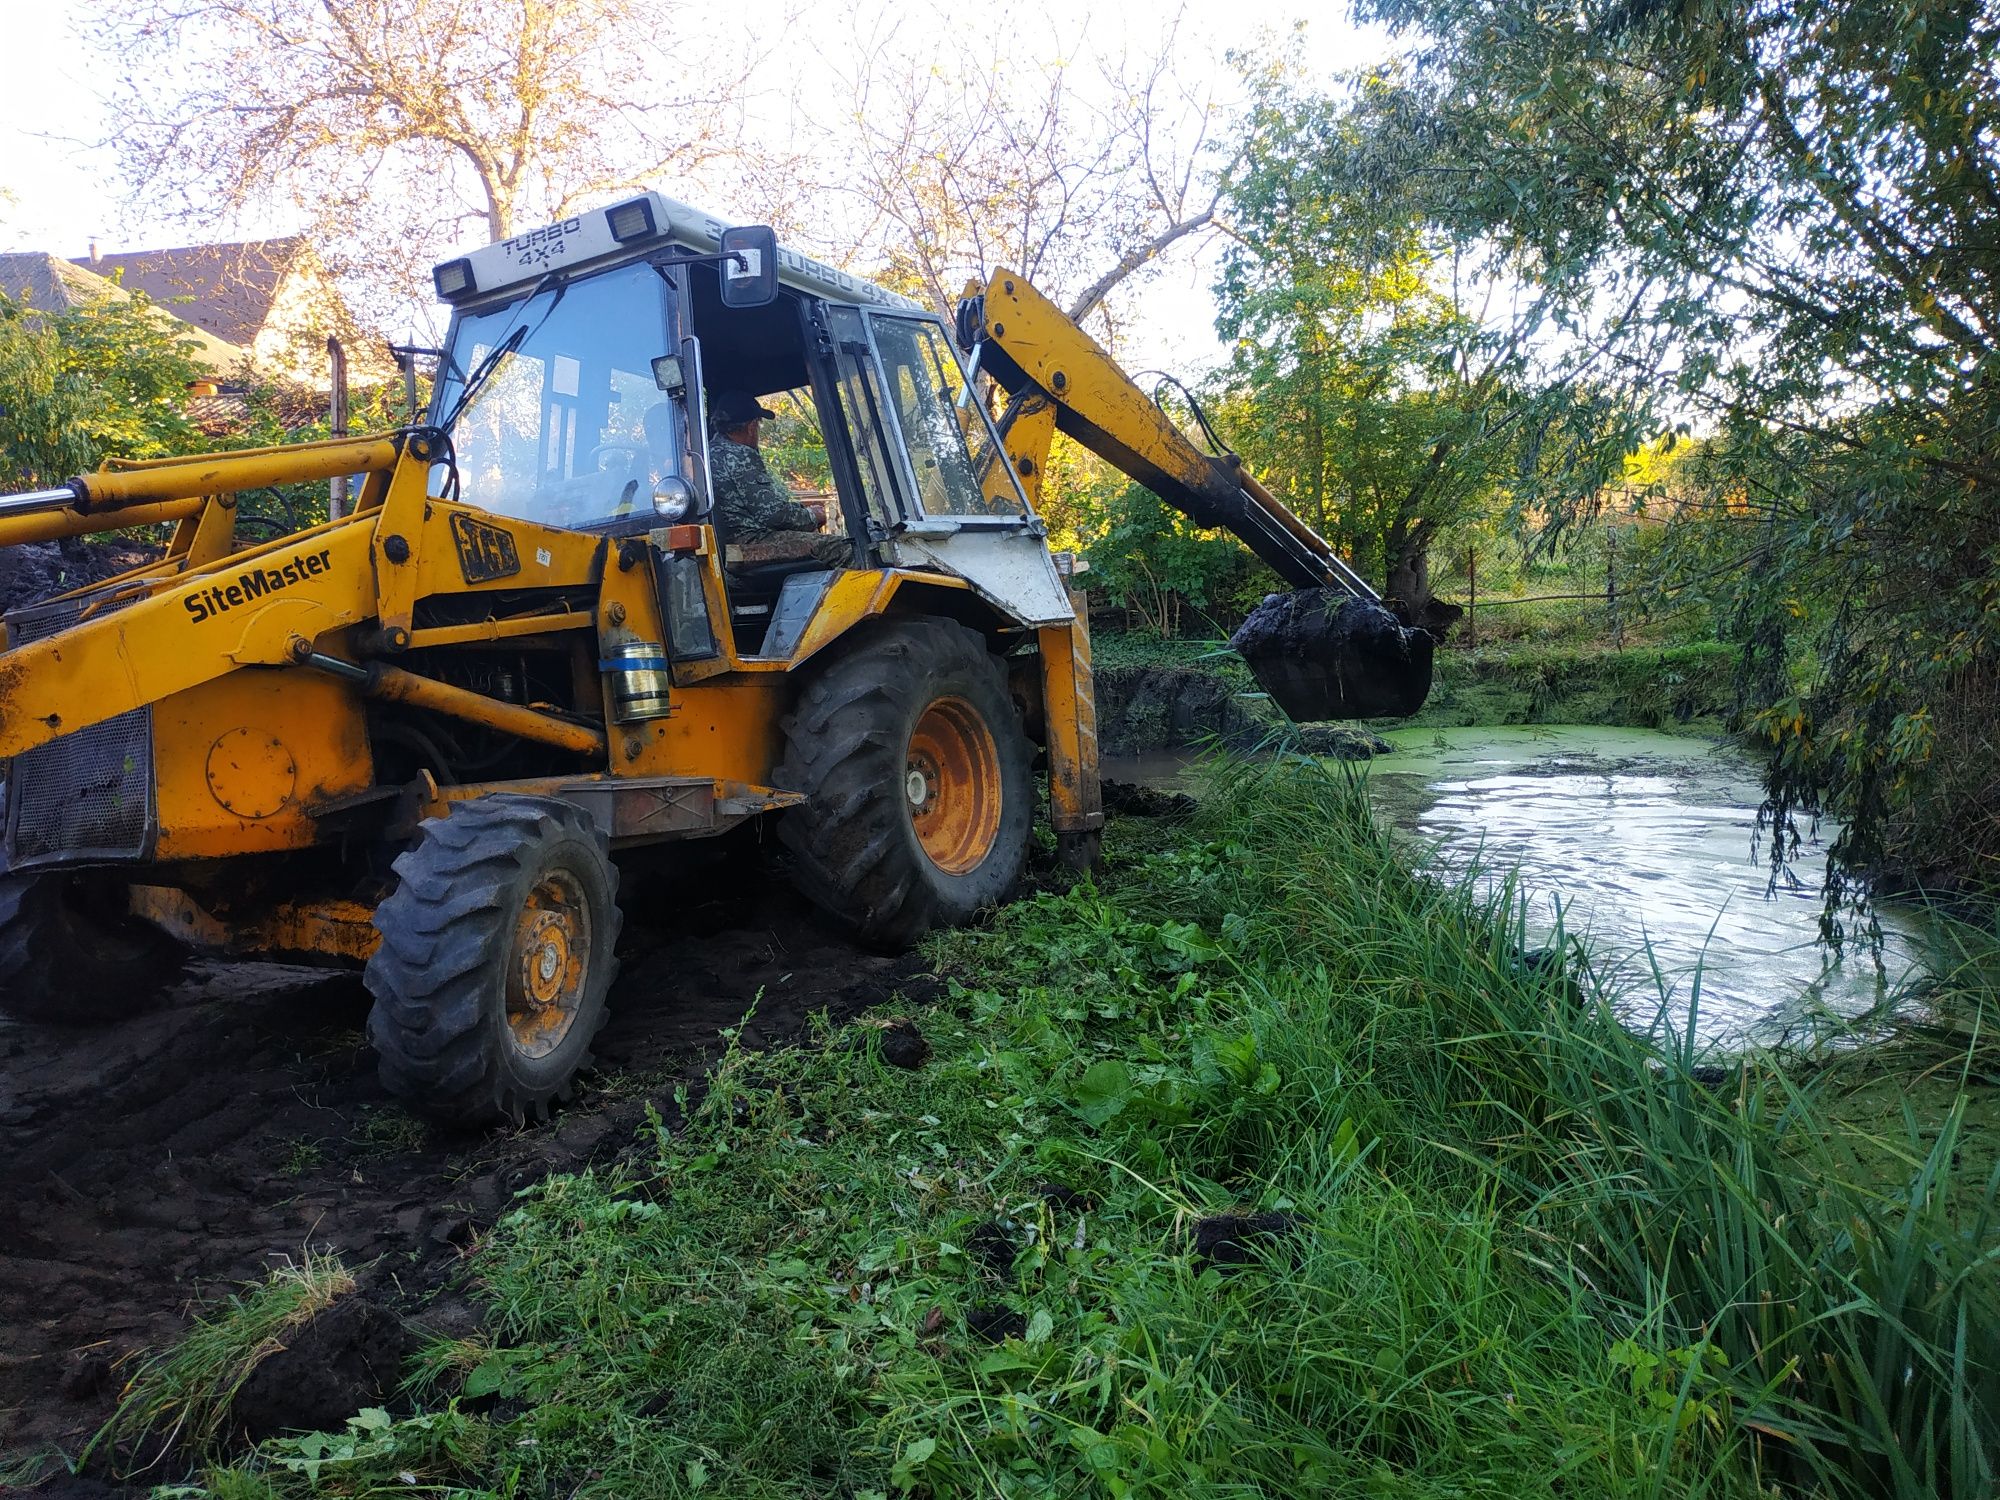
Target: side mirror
[(749, 266)]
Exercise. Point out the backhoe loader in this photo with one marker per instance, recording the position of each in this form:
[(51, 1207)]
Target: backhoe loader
[(417, 739)]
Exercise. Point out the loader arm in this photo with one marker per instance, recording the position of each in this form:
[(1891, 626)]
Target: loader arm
[(163, 633), (1330, 650), (1040, 357)]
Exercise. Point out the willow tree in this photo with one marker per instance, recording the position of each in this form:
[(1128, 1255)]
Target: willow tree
[(1776, 224), (1385, 382)]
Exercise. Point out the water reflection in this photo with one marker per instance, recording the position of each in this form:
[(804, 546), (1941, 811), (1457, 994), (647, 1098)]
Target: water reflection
[(1645, 841)]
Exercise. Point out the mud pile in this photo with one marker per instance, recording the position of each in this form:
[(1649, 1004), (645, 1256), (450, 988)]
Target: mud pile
[(1322, 654), (34, 571)]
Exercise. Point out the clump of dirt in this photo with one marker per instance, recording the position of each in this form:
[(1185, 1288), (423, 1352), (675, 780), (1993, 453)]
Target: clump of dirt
[(34, 571), (1231, 1241), (1056, 1195), (995, 1323), (1160, 708), (1126, 799), (345, 1357), (1340, 742), (1323, 654), (903, 1045), (993, 1248), (1143, 709)]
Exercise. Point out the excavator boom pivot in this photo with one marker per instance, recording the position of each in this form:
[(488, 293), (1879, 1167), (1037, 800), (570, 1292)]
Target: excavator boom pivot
[(1331, 650)]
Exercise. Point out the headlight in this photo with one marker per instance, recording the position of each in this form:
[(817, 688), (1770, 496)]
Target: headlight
[(673, 500)]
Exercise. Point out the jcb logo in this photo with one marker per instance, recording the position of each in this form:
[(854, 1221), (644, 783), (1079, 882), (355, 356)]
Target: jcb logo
[(485, 552)]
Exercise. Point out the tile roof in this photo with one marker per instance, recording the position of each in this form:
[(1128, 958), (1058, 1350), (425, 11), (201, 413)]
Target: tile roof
[(50, 283), (226, 290)]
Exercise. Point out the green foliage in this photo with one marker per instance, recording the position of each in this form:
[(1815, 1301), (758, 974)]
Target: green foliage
[(1648, 687), (1154, 561), (1530, 1254), (82, 384), (1771, 225), (1385, 407), (274, 415)]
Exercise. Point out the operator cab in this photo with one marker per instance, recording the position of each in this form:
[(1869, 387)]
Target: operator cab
[(581, 358)]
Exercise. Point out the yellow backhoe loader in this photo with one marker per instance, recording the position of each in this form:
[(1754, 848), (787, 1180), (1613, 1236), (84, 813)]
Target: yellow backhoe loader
[(414, 738)]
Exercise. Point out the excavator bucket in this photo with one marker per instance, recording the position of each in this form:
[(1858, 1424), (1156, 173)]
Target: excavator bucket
[(1326, 654)]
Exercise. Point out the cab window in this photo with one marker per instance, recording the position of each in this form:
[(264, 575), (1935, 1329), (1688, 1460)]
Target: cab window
[(570, 429), (954, 455)]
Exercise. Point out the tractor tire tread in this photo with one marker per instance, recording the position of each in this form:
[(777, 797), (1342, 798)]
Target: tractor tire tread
[(433, 973)]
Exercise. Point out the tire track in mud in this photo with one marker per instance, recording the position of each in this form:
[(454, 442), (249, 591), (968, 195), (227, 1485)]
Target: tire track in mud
[(161, 1162)]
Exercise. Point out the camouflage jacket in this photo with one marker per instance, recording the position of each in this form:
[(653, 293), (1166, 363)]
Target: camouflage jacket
[(749, 503)]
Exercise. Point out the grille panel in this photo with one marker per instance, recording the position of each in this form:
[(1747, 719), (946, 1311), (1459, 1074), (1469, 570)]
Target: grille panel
[(88, 795)]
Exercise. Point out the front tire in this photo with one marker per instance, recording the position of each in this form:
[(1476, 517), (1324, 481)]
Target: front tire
[(918, 782), (70, 953), (495, 961)]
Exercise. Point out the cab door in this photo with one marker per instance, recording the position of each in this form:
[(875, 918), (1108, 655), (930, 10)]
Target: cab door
[(948, 501)]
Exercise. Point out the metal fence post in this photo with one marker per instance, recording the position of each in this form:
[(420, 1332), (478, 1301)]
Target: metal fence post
[(1611, 587), (1472, 596)]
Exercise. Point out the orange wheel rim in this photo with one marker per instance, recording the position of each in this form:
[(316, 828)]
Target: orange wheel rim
[(549, 965), (951, 784)]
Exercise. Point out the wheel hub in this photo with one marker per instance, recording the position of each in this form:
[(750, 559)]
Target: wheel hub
[(549, 968), (951, 779)]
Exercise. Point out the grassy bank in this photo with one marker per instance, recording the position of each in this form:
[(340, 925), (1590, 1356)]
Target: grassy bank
[(1688, 685), (1644, 687), (1263, 1167)]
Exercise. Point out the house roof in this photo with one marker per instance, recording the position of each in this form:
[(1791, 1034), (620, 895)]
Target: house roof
[(50, 283), (225, 290)]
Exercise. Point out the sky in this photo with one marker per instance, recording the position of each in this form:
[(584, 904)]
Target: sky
[(62, 191)]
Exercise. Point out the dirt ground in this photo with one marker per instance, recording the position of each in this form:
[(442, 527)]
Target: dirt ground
[(153, 1164)]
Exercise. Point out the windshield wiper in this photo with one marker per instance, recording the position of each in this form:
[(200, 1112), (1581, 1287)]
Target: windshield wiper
[(518, 335)]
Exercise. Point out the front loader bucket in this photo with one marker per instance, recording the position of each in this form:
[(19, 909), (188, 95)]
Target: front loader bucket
[(1324, 654)]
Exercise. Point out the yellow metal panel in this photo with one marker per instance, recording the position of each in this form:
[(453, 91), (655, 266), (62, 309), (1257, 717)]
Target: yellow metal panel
[(245, 612), (725, 728), (1029, 433), (1064, 360), (1076, 799), (544, 556), (397, 535), (208, 536), (238, 761), (339, 929), (860, 595)]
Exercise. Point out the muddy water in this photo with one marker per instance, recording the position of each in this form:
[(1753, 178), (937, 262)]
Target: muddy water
[(1639, 842)]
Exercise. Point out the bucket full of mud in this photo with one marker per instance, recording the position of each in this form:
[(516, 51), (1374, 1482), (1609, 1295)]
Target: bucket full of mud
[(1324, 654)]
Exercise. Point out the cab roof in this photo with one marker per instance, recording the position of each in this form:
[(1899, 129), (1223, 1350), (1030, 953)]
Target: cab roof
[(624, 230)]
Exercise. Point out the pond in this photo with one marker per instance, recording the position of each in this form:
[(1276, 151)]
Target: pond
[(1645, 845)]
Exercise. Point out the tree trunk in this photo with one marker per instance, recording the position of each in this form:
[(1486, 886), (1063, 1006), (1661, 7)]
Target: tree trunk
[(1409, 584)]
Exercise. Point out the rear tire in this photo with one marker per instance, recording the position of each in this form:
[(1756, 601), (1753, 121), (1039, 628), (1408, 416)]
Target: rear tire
[(918, 782), (495, 960), (65, 958)]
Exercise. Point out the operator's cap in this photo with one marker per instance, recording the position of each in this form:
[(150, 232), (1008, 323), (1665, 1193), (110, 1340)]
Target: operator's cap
[(727, 409)]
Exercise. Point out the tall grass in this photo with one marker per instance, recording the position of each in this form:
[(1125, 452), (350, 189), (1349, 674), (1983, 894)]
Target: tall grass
[(1853, 1335), (1507, 1248)]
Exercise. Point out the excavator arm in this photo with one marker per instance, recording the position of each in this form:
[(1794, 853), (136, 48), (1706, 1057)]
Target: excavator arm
[(1331, 649)]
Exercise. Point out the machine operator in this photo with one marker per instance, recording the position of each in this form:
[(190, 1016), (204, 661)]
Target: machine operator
[(750, 505)]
